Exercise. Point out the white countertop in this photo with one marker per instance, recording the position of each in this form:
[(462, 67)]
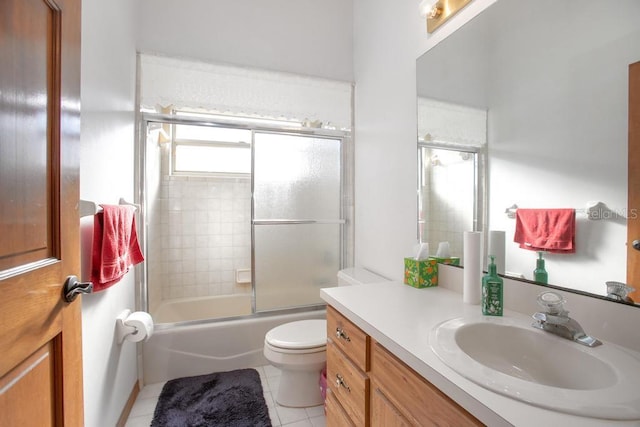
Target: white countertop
[(400, 318)]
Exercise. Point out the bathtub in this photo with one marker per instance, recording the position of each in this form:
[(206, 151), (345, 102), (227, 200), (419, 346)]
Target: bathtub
[(181, 351), (187, 309)]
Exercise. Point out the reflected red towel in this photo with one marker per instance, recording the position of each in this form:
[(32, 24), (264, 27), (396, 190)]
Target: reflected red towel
[(115, 245), (551, 230)]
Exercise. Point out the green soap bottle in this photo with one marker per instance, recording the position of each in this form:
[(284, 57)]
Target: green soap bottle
[(492, 297), (540, 274)]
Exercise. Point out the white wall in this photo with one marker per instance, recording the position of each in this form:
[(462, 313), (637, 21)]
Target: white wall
[(299, 36), (385, 133), (106, 174), (388, 37)]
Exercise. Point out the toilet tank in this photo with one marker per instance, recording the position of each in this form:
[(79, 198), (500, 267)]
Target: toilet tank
[(358, 276)]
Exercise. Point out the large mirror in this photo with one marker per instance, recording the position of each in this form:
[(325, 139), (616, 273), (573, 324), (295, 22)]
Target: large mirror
[(552, 78)]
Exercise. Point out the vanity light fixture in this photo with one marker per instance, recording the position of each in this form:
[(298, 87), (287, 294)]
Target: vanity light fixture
[(437, 12), (430, 9)]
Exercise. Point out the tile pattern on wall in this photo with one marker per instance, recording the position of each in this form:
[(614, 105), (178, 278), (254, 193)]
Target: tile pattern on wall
[(450, 205), (199, 235)]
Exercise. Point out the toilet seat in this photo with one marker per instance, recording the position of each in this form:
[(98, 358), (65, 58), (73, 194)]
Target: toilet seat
[(290, 351), (303, 336)]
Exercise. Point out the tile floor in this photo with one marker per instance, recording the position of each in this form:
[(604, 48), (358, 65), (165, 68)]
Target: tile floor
[(142, 411)]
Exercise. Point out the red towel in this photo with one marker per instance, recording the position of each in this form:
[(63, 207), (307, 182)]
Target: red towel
[(115, 245), (551, 230)]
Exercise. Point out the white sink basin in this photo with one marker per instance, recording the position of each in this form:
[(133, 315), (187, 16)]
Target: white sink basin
[(508, 356)]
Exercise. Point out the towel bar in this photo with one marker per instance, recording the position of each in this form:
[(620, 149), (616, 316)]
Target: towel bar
[(594, 211), (91, 208)]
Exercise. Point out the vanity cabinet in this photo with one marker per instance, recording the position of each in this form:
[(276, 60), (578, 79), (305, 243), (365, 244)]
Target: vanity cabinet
[(347, 367), (401, 397), (384, 413), (369, 386), (335, 414)]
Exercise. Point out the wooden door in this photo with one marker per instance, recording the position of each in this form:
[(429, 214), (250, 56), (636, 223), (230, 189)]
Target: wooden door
[(633, 221), (40, 334)]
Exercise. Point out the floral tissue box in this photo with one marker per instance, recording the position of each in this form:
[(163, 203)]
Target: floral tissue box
[(421, 273)]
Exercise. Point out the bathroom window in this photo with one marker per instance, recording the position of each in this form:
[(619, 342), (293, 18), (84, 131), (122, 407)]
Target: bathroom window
[(209, 150)]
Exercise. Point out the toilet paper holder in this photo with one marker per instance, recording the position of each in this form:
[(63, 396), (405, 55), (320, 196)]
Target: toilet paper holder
[(123, 330)]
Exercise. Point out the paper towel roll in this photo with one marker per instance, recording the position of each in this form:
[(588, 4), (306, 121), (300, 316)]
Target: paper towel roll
[(142, 322), (496, 248), (472, 279)]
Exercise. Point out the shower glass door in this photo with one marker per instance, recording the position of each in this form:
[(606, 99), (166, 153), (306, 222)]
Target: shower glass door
[(297, 218)]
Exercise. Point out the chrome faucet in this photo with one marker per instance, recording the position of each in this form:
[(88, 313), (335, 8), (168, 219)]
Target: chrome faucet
[(619, 291), (555, 319)]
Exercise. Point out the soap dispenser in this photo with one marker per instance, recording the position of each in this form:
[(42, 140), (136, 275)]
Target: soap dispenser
[(540, 274), (492, 296)]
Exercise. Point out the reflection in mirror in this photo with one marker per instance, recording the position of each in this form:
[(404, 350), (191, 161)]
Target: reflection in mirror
[(451, 146), (446, 196), (555, 90)]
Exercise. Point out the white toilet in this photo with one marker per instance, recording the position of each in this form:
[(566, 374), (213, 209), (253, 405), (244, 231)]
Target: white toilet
[(299, 350)]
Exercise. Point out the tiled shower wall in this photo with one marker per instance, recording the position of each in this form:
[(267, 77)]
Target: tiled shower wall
[(199, 235), (450, 205)]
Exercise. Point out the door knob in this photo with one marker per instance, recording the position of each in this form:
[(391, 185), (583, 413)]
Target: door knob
[(72, 287), (636, 244)]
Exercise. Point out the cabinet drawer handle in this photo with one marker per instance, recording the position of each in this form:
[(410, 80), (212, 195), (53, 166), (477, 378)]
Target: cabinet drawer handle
[(340, 383), (341, 335)]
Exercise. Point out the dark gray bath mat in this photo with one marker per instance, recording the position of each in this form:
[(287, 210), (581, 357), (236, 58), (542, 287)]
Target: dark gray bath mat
[(233, 399)]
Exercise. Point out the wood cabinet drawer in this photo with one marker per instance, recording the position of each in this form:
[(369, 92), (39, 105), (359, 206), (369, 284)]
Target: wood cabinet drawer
[(418, 400), (349, 385), (349, 338), (336, 415)]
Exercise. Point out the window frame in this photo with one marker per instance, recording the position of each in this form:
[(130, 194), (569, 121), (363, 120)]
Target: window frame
[(175, 143)]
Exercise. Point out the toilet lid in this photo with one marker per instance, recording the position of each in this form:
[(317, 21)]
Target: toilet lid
[(299, 335)]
